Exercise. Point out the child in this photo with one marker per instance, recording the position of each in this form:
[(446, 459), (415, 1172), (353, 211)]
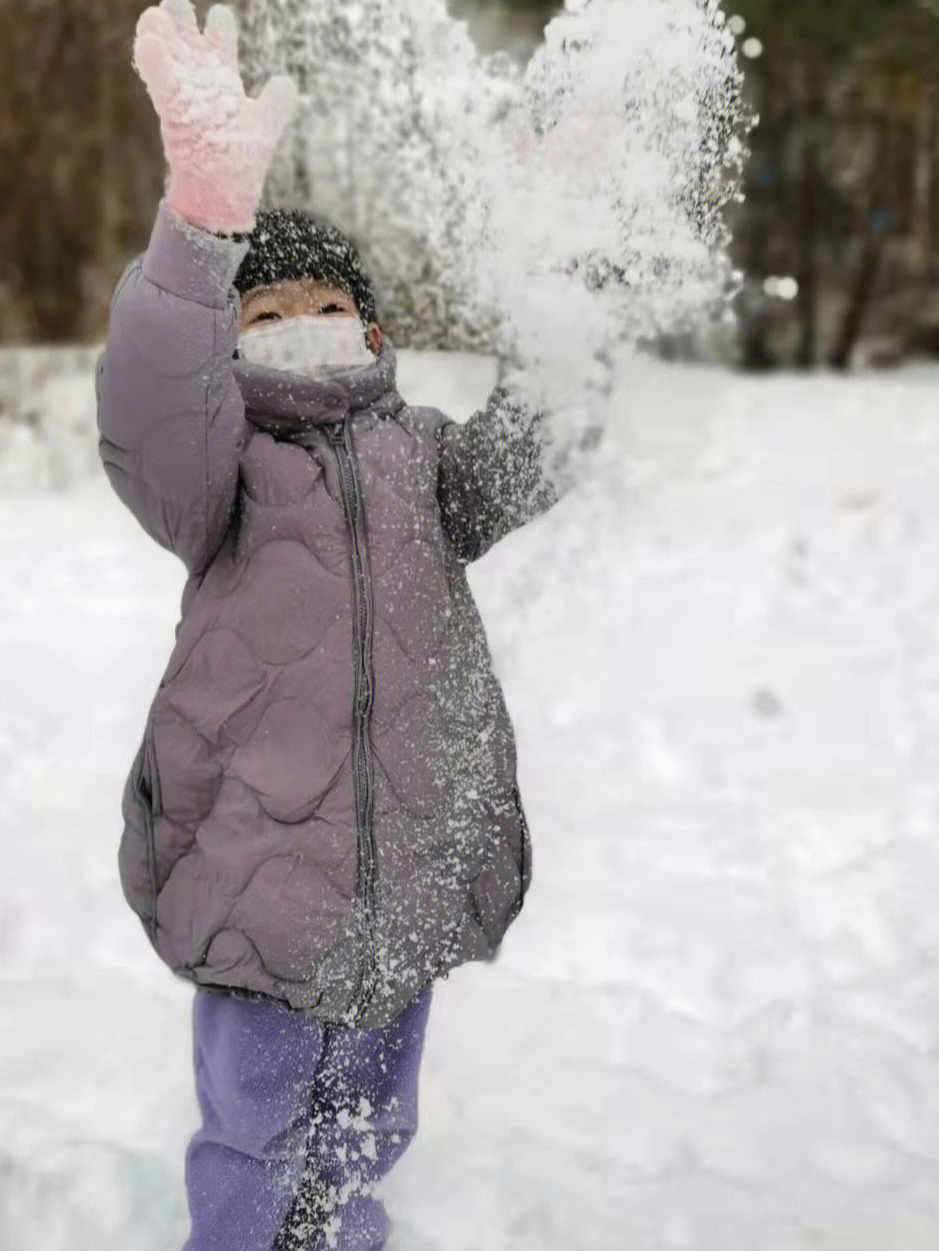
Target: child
[(323, 815)]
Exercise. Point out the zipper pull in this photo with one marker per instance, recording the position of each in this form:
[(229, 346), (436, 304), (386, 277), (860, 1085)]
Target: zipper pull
[(364, 701)]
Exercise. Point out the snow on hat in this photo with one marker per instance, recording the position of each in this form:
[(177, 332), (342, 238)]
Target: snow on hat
[(290, 244)]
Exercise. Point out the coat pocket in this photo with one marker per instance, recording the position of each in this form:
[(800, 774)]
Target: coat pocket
[(136, 854), (497, 893), (524, 859)]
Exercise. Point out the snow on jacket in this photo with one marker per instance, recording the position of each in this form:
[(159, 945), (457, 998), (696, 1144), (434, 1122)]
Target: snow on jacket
[(324, 808)]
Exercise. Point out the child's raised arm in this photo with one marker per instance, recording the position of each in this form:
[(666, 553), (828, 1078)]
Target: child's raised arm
[(170, 414)]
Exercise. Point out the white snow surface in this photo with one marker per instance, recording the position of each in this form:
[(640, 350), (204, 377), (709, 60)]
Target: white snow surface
[(715, 1024)]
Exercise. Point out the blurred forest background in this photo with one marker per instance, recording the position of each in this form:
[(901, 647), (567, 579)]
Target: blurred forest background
[(838, 235)]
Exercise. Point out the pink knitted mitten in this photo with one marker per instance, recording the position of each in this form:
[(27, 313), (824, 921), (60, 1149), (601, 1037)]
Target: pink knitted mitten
[(218, 142)]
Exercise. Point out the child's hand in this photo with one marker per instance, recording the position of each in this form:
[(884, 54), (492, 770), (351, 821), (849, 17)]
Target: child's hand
[(218, 143)]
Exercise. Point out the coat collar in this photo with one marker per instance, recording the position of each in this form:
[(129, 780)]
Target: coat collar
[(286, 404)]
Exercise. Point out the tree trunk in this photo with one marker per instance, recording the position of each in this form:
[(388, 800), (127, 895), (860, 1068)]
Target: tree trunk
[(932, 174), (752, 230), (807, 274), (859, 298), (109, 207), (873, 233)]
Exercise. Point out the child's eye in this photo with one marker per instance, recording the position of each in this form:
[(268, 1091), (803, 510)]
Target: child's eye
[(266, 317), (333, 308)]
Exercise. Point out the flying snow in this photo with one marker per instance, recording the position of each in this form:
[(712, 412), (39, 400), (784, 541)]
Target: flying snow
[(573, 205)]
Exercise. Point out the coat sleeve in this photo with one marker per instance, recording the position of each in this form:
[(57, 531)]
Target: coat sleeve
[(490, 475), (170, 415)]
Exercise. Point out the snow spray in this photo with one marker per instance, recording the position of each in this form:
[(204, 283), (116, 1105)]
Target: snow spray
[(573, 204)]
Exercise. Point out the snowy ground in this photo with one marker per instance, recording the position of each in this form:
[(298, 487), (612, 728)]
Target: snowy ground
[(715, 1025)]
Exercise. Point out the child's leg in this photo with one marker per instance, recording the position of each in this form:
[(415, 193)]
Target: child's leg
[(253, 1064), (277, 1088), (364, 1116)]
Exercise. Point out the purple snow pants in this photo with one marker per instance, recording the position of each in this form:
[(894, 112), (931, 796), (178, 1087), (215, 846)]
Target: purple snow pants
[(300, 1119)]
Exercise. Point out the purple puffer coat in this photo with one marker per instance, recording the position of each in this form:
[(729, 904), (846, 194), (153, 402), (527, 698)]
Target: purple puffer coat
[(324, 808)]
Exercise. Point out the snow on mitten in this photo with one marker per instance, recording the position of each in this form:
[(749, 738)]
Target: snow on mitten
[(218, 142)]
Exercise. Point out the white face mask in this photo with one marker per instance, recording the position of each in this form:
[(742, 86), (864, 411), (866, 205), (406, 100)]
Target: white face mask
[(307, 345)]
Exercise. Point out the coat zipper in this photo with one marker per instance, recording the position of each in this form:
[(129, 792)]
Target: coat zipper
[(339, 437)]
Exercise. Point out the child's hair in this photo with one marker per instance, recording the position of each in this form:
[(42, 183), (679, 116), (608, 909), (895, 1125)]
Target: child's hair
[(290, 244)]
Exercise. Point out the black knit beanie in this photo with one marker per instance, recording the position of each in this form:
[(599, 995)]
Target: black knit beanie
[(290, 244)]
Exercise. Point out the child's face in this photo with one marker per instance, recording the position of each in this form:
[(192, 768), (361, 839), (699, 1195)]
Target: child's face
[(297, 297)]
